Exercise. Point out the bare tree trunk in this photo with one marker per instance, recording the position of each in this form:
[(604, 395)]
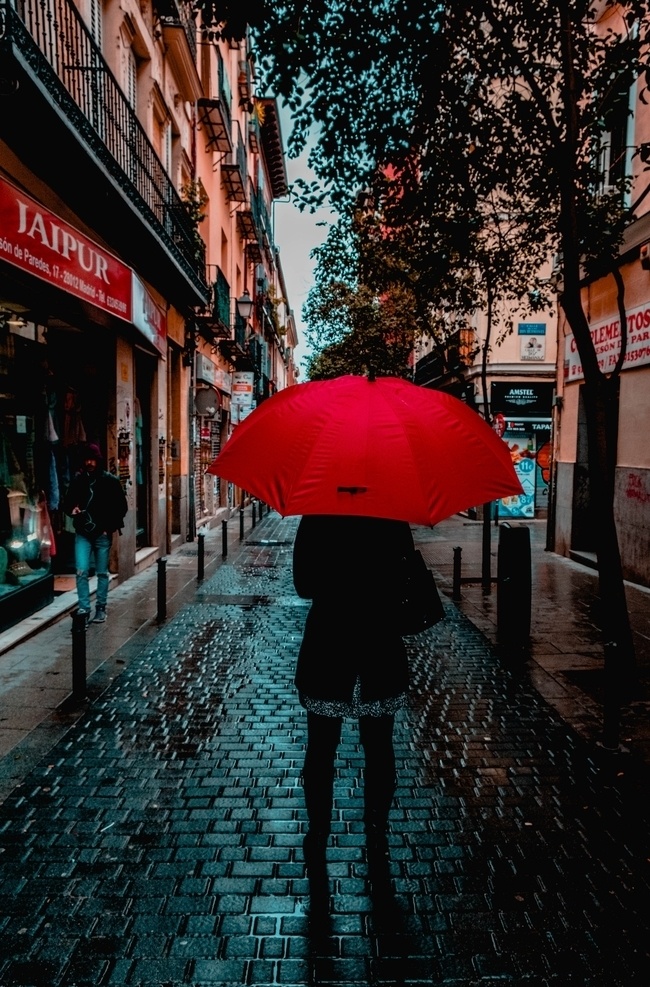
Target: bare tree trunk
[(601, 405), (486, 542), (620, 673)]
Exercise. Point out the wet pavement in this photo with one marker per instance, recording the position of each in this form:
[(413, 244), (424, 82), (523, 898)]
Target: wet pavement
[(153, 835)]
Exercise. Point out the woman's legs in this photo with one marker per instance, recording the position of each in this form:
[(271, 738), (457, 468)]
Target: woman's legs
[(323, 735), (376, 734)]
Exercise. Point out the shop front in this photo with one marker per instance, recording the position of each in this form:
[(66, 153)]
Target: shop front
[(72, 319), (575, 527), (211, 416)]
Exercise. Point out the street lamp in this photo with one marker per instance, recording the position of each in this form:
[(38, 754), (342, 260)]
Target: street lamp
[(244, 306)]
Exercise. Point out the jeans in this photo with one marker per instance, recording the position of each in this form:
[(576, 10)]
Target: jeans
[(83, 551)]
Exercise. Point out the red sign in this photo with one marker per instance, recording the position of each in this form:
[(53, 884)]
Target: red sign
[(149, 317), (37, 241)]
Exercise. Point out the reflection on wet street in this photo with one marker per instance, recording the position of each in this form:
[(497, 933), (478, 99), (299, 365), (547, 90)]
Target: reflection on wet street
[(160, 842)]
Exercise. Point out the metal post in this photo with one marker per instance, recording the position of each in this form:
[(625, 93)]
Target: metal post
[(224, 539), (253, 505), (162, 590), (455, 595), (79, 655), (612, 701), (514, 587), (201, 556), (241, 522), (486, 563)]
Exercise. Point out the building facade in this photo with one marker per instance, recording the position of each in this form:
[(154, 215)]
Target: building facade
[(573, 530), (109, 272), (513, 388)]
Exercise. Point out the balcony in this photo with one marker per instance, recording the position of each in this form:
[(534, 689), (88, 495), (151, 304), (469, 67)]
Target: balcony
[(212, 119), (214, 114), (179, 36), (245, 83), (254, 225), (234, 174), (67, 98), (213, 322), (254, 135)]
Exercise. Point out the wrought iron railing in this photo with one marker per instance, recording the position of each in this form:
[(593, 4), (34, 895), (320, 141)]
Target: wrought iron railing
[(221, 299), (225, 93), (241, 331), (179, 12), (261, 216), (63, 40)]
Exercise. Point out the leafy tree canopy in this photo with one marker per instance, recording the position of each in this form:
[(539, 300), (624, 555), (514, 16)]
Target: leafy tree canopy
[(361, 315)]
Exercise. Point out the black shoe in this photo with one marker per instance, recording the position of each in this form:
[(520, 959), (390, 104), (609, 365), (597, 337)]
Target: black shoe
[(100, 614)]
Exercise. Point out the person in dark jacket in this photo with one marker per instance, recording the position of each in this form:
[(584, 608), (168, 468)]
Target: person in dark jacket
[(352, 662), (97, 504)]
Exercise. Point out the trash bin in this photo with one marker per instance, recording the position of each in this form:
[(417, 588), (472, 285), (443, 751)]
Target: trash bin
[(513, 586)]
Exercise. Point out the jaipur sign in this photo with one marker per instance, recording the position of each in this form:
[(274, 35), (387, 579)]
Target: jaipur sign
[(38, 241)]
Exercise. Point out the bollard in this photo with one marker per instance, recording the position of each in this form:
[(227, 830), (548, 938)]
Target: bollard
[(514, 586), (455, 593), (224, 539), (201, 557), (162, 590), (241, 522), (79, 655), (486, 544), (253, 506)]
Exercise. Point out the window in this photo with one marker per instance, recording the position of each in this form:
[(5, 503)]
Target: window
[(131, 79)]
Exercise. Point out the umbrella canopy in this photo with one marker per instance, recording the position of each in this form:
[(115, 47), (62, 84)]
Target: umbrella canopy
[(379, 448)]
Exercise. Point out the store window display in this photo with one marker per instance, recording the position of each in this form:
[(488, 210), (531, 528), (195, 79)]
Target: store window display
[(26, 537), (26, 533), (54, 396)]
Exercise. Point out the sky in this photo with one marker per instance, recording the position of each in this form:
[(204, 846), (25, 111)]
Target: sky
[(296, 234)]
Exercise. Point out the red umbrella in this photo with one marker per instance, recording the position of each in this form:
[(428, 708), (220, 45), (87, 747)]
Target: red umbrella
[(379, 448)]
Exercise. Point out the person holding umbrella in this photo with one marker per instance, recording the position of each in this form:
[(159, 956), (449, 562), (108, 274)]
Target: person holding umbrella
[(352, 662), (368, 457)]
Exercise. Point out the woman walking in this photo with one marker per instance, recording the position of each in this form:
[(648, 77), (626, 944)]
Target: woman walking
[(352, 662)]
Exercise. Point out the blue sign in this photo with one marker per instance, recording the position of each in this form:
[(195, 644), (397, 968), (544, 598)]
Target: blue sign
[(531, 328)]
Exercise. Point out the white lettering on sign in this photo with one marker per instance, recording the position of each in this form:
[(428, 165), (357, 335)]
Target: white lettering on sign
[(62, 242), (606, 337)]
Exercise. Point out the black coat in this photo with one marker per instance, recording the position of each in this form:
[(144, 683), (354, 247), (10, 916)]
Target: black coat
[(346, 565), (101, 495)]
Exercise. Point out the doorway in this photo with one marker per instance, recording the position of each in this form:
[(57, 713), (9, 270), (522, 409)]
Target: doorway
[(142, 426), (582, 523)]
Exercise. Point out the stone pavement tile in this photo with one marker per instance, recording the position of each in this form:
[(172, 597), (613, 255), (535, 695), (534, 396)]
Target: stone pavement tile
[(160, 840)]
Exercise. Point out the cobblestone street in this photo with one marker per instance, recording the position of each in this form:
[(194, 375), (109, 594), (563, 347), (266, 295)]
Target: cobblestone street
[(159, 842)]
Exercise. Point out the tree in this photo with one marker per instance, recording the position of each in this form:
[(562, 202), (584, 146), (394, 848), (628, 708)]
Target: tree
[(490, 98), (361, 312)]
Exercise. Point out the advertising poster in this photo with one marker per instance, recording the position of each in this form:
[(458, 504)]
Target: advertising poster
[(524, 461), (242, 390)]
